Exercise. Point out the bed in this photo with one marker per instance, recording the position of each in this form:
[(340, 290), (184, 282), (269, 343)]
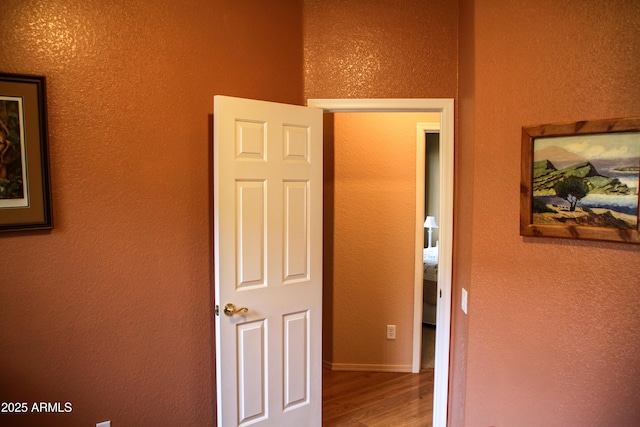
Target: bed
[(429, 285)]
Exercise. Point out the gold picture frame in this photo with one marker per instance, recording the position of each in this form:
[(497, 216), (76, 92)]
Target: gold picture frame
[(580, 180)]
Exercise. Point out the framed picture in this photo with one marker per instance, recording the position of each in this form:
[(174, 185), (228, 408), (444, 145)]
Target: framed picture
[(580, 180), (25, 195)]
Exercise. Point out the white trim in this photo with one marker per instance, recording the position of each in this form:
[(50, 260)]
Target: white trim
[(445, 268), (445, 231)]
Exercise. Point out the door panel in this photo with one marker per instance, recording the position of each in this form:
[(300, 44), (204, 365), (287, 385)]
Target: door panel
[(251, 251), (296, 231), (296, 359), (252, 379), (268, 248)]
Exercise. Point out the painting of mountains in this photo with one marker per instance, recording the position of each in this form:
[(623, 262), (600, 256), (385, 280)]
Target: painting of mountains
[(587, 180)]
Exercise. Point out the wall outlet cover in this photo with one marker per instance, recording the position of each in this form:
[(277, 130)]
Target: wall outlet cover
[(391, 332)]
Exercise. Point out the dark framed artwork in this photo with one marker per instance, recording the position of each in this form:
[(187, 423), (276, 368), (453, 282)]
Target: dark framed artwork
[(25, 194), (580, 180)]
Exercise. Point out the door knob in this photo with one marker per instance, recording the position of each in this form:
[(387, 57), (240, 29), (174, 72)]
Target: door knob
[(230, 309)]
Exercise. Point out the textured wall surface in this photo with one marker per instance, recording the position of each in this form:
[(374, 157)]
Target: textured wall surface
[(373, 217), (550, 338), (380, 49), (111, 310), (553, 324), (463, 208)]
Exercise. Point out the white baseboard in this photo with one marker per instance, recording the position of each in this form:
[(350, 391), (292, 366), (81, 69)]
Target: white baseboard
[(365, 367)]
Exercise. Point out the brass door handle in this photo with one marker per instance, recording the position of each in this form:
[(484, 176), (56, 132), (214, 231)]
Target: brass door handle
[(230, 309)]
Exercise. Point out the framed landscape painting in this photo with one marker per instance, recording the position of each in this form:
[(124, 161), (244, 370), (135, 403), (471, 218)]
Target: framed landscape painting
[(580, 180), (25, 198)]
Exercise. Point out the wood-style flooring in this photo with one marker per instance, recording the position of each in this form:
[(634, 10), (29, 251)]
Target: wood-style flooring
[(377, 399)]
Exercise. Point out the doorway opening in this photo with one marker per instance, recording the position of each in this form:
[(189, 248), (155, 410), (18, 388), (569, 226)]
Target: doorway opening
[(428, 198), (445, 230)]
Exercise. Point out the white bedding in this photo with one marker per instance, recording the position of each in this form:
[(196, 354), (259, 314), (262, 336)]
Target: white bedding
[(430, 261)]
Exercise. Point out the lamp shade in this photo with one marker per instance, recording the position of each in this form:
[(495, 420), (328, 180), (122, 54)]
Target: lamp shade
[(430, 222)]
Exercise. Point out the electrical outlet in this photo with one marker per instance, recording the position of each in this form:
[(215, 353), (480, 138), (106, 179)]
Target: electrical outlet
[(391, 332), (104, 424)]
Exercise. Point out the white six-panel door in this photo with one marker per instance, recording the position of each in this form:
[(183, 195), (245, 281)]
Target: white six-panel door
[(268, 259)]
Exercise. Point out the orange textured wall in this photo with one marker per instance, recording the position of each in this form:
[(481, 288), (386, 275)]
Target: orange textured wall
[(373, 216), (111, 310), (550, 338), (380, 49), (553, 324), (463, 209)]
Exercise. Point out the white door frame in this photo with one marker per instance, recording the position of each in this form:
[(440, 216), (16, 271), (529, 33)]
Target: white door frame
[(445, 231)]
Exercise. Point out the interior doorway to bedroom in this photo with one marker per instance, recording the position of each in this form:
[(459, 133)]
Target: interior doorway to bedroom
[(431, 213), (366, 235)]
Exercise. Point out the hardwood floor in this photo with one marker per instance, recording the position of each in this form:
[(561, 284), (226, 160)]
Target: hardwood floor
[(377, 399)]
